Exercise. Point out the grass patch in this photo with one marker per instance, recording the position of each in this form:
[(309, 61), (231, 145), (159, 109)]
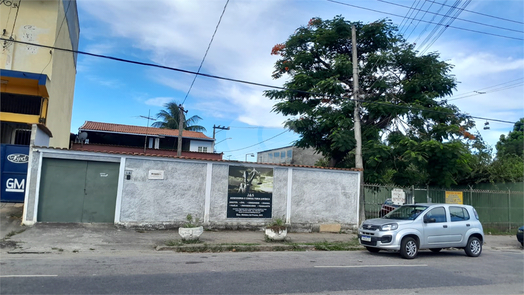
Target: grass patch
[(336, 246), (12, 233), (499, 232)]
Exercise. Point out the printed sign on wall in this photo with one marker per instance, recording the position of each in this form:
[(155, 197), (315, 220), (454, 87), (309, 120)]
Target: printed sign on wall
[(250, 192), (453, 197)]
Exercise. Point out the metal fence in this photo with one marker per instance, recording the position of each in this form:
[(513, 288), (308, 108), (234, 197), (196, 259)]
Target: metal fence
[(500, 209)]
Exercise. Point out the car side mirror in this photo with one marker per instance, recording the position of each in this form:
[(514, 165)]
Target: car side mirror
[(429, 220)]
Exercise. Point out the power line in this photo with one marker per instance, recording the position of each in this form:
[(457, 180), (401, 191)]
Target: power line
[(256, 143), (236, 80), (461, 19), (457, 13), (458, 28), (483, 14), (207, 50)]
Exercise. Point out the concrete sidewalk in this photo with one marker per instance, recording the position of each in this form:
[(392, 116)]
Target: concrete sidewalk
[(106, 238)]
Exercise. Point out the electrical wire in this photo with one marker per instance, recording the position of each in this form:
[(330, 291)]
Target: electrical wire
[(57, 35), (400, 27), (457, 13), (461, 19), (257, 143), (16, 18), (238, 80), (207, 50), (427, 25), (483, 14), (454, 27), (422, 17), (437, 27)]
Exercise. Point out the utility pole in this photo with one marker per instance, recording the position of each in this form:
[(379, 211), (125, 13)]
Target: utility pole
[(217, 127), (356, 128), (180, 128)]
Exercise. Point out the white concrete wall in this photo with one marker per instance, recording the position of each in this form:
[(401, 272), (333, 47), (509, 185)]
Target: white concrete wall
[(304, 197)]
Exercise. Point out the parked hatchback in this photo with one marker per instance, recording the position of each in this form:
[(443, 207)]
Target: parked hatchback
[(410, 228)]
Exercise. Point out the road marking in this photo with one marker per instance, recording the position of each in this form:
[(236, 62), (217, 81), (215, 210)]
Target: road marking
[(359, 266), (27, 276)]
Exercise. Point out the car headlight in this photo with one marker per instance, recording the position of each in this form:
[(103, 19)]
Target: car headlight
[(389, 226), (521, 230)]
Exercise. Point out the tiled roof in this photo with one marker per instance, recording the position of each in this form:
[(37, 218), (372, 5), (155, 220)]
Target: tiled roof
[(120, 128)]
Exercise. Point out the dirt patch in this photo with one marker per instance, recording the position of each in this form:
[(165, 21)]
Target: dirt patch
[(7, 244)]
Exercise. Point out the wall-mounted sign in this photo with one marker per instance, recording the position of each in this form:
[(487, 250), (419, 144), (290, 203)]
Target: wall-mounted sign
[(250, 192), (155, 174), (454, 197), (398, 196), (18, 158)]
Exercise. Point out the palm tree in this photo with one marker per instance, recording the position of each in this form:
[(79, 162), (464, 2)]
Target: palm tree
[(169, 119)]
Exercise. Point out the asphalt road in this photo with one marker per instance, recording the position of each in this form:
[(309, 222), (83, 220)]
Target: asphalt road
[(357, 272)]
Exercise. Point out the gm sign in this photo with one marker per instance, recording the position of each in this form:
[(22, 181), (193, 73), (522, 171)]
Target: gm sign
[(13, 185)]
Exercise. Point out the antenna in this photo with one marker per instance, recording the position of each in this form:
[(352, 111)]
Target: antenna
[(147, 127), (82, 136)]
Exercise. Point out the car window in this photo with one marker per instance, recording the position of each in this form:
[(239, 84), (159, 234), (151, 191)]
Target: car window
[(476, 214), (458, 213), (438, 213), (406, 212)]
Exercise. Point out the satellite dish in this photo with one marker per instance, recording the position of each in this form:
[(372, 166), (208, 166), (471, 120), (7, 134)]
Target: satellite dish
[(82, 136)]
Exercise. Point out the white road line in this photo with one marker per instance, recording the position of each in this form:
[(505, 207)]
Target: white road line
[(360, 266), (26, 276)]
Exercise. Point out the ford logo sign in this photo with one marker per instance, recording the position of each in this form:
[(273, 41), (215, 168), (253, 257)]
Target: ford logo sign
[(18, 158)]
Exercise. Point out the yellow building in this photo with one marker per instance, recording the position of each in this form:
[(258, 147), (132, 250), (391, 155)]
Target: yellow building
[(37, 83)]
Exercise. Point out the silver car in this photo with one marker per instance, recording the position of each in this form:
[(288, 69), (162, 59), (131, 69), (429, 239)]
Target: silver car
[(424, 226)]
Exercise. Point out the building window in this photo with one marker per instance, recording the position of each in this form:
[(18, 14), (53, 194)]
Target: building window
[(202, 149), (276, 154), (290, 154)]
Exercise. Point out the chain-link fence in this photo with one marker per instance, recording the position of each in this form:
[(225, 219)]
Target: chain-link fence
[(500, 209)]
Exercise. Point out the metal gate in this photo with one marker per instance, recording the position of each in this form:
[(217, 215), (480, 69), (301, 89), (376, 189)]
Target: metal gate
[(13, 172), (77, 191)]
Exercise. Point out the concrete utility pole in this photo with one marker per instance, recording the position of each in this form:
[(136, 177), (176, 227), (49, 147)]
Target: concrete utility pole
[(356, 128), (180, 128), (217, 127)]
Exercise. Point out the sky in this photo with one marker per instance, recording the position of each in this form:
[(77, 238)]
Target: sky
[(484, 43)]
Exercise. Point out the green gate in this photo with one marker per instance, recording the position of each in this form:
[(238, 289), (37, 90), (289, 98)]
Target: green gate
[(77, 191)]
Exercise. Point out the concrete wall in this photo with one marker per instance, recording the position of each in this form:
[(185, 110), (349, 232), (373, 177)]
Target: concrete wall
[(304, 197)]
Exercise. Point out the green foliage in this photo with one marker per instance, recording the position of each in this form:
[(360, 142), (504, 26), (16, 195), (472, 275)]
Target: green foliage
[(170, 119), (190, 222), (277, 224), (410, 134), (513, 144)]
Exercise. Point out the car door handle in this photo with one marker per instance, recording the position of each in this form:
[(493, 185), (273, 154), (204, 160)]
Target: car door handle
[(445, 226), (467, 224)]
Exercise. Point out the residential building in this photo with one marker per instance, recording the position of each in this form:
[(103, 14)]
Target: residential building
[(104, 137), (289, 155), (37, 83)]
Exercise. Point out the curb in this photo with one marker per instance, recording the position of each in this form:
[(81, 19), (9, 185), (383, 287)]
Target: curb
[(244, 248)]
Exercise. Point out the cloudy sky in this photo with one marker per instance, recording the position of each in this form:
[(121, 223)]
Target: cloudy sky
[(484, 43)]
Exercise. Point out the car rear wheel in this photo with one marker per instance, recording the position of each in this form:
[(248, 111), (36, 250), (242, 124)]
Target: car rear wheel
[(372, 250), (474, 247), (408, 248), (435, 250)]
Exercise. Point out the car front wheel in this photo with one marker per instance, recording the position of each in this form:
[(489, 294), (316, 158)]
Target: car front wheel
[(474, 247), (408, 248)]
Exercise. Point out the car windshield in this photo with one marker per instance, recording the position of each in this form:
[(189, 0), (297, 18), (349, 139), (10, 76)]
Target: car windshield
[(406, 212)]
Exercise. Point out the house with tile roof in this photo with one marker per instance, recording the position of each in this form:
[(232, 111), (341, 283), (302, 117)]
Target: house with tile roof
[(109, 137)]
